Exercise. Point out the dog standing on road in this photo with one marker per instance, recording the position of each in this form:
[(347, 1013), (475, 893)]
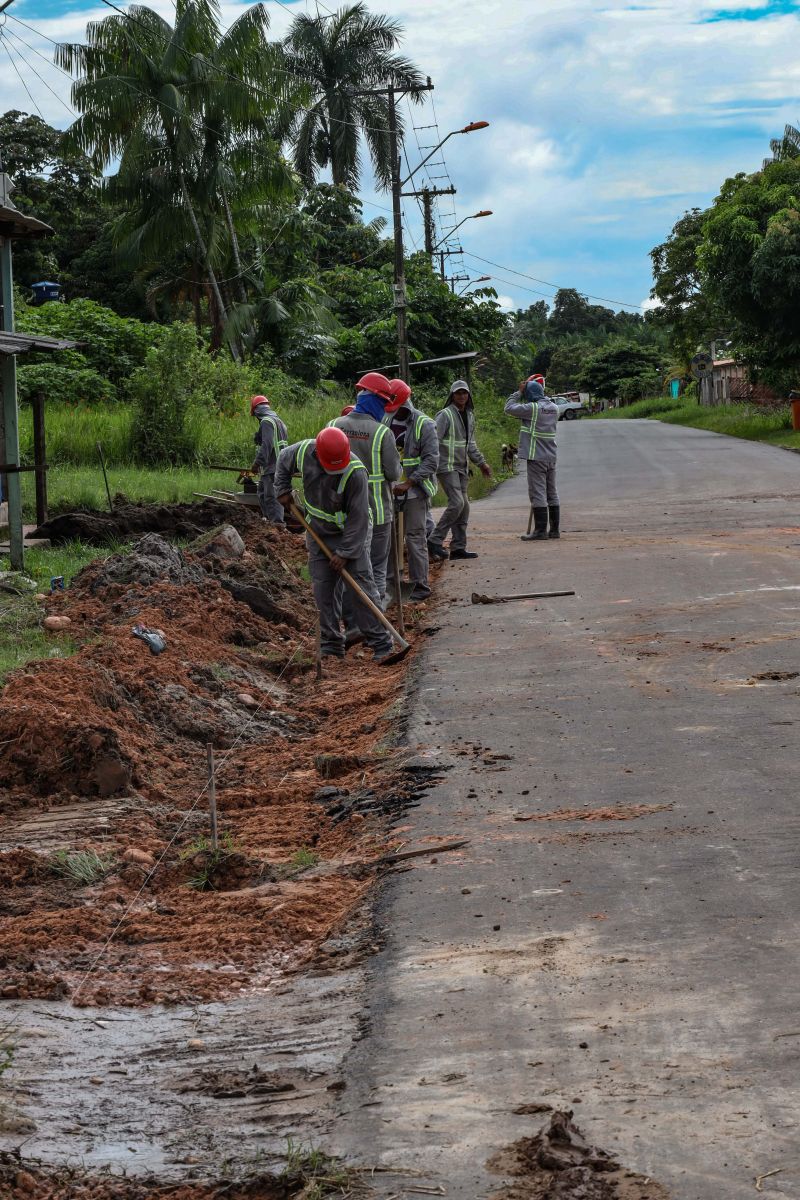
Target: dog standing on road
[(509, 457)]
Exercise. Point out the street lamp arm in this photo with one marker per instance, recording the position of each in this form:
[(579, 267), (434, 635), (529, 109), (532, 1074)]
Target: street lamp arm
[(485, 212), (473, 125)]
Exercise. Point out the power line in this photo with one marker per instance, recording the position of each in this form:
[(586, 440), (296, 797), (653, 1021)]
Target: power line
[(10, 32), (558, 286), (4, 40)]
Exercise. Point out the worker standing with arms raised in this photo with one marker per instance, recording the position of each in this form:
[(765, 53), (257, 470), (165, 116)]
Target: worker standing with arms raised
[(455, 425), (537, 444), (418, 442), (271, 437), (336, 500), (370, 442)]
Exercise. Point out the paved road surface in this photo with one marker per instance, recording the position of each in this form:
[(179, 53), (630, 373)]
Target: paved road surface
[(643, 972)]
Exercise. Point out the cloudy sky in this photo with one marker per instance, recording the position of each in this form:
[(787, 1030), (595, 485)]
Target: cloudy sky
[(607, 119)]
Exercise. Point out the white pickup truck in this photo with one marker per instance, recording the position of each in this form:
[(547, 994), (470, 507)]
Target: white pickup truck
[(569, 409)]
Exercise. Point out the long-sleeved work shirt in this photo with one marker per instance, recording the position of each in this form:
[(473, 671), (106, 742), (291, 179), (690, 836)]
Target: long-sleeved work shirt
[(420, 451), (336, 506), (378, 452), (539, 422), (270, 438), (457, 445)]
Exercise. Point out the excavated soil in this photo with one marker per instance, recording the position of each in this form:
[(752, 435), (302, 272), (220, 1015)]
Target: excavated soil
[(108, 748), (558, 1164)]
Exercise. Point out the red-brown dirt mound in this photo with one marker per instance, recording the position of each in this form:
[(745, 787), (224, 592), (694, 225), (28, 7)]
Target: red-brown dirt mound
[(104, 756)]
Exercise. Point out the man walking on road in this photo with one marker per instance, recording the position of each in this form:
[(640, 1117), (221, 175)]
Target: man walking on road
[(455, 425), (336, 500), (537, 444), (370, 443), (271, 437), (416, 438)]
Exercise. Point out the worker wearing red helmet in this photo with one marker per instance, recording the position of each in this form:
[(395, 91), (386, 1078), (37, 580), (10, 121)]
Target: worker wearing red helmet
[(271, 437), (416, 438), (336, 501), (371, 444)]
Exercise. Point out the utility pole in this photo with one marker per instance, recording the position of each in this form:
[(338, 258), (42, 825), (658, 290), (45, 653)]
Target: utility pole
[(426, 196), (399, 254)]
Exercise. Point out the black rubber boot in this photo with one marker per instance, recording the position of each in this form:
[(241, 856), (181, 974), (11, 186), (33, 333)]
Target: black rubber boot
[(539, 527), (555, 515)]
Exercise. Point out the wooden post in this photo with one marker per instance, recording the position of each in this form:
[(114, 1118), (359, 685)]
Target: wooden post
[(212, 795), (105, 477), (10, 449), (39, 457)]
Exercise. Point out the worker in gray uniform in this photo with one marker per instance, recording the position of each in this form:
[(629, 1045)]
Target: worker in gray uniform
[(371, 444), (537, 444), (336, 501), (270, 438), (418, 442), (455, 425)]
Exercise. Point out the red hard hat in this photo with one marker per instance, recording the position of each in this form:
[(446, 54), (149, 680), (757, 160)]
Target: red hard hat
[(254, 403), (536, 379), (373, 381), (400, 393), (333, 449), (348, 408)]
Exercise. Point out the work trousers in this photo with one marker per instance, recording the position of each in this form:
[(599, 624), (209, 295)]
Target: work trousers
[(378, 546), (542, 484), (456, 515), (415, 514), (327, 584), (270, 508)]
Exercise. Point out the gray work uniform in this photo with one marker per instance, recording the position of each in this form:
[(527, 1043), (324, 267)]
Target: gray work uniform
[(537, 444), (457, 448), (420, 460), (271, 437), (337, 509), (378, 453)]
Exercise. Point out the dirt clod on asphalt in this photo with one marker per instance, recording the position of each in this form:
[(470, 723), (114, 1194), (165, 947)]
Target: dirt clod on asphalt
[(114, 738), (558, 1164), (616, 812)]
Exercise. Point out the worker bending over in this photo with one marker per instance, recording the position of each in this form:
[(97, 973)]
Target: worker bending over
[(418, 442), (455, 425), (271, 437), (537, 443), (336, 500), (369, 442)]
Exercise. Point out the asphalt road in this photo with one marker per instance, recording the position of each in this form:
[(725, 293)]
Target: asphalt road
[(642, 971)]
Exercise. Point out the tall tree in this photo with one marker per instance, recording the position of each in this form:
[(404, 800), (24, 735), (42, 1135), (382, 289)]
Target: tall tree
[(343, 57)]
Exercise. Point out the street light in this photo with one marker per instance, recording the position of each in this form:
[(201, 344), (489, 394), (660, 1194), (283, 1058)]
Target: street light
[(480, 279), (485, 212), (471, 128)]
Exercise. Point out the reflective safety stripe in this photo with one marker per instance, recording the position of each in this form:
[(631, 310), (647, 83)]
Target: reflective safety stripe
[(427, 485), (376, 476), (451, 441), (534, 433), (279, 443), (336, 518)]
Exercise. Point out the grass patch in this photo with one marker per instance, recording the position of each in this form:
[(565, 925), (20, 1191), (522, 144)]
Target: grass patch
[(70, 487), (81, 867), (735, 420), (303, 858), (315, 1172)]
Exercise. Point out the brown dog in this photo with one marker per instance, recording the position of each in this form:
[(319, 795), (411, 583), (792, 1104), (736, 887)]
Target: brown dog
[(509, 457)]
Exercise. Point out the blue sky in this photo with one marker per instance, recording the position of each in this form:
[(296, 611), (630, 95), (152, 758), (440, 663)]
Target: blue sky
[(607, 119)]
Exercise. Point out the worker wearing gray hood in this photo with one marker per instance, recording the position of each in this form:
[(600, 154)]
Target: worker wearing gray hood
[(270, 438), (537, 444), (455, 425)]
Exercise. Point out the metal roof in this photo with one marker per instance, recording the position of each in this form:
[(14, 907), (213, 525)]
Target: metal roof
[(16, 224), (21, 343), (430, 362)]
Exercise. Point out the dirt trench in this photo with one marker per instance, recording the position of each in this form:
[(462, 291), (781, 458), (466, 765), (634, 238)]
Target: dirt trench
[(110, 892)]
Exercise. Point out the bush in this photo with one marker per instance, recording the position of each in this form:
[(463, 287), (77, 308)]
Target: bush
[(64, 384), (164, 390)]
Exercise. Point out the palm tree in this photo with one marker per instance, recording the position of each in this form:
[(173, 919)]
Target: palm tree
[(343, 56), (186, 111), (785, 147)]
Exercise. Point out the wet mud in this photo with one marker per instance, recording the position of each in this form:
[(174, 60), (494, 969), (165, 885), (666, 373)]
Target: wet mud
[(557, 1163)]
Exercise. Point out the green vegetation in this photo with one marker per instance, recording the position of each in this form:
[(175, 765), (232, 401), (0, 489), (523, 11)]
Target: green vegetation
[(81, 867), (735, 420), (303, 858), (317, 1173)]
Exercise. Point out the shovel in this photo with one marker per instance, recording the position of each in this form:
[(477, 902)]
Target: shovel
[(404, 646), (479, 598)]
